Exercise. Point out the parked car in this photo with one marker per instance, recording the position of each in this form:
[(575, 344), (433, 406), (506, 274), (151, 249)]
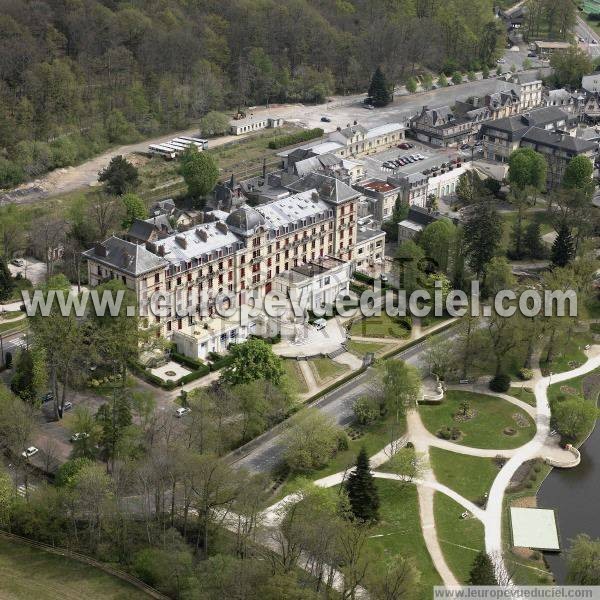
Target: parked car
[(501, 61), (47, 397), (325, 119), (369, 107), (29, 452), (81, 435), (383, 278), (67, 406), (182, 411), (406, 146), (465, 147), (532, 54), (320, 324), (18, 262)]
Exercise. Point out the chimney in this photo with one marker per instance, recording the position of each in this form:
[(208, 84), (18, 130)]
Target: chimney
[(201, 233), (161, 250), (100, 249), (222, 227), (180, 239), (151, 247)]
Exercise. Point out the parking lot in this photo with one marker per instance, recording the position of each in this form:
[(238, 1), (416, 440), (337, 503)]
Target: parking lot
[(434, 157)]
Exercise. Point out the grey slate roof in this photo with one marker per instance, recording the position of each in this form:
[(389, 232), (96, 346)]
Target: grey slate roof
[(141, 230), (329, 188), (125, 256), (559, 141), (244, 220)]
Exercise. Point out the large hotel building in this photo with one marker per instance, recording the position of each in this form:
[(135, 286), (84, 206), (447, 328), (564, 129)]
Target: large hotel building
[(238, 253)]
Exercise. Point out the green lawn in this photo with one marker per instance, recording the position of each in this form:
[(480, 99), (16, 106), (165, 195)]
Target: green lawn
[(292, 368), (326, 369), (382, 326), (523, 393), (460, 539), (14, 325), (11, 314), (362, 348), (400, 531), (470, 476), (28, 573), (486, 428), (567, 356)]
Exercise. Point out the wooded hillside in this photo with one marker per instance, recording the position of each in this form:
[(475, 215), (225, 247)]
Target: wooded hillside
[(79, 75)]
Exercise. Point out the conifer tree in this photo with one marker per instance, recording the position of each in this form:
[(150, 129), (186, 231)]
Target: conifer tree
[(379, 90), (482, 571), (563, 248), (6, 281), (362, 493)]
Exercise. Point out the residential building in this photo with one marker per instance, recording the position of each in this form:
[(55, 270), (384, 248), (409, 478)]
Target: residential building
[(369, 250), (502, 137), (558, 148), (417, 219), (530, 90), (413, 187), (382, 196)]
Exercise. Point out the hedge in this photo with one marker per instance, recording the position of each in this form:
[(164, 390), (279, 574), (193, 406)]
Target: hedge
[(187, 361), (222, 362), (363, 277), (199, 372), (295, 138)]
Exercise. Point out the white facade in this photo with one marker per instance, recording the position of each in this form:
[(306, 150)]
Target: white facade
[(444, 185), (315, 284)]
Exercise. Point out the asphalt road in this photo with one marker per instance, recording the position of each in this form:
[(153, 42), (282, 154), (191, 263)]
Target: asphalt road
[(265, 454), (589, 35)]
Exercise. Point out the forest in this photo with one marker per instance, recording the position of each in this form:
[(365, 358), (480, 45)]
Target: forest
[(77, 76)]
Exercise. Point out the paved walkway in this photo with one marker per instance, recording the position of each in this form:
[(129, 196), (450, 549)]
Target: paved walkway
[(309, 377), (542, 445)]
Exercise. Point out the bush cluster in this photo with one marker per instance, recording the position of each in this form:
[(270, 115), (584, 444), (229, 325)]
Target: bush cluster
[(295, 138)]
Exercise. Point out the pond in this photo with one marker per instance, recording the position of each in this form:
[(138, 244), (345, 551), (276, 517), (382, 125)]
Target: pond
[(575, 496)]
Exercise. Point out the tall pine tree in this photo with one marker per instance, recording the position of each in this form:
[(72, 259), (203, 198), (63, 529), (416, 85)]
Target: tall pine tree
[(534, 246), (6, 281), (362, 493), (563, 248), (379, 90), (482, 234), (482, 571)]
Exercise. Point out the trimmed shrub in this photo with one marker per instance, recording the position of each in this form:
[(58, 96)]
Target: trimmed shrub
[(525, 374), (295, 138), (500, 383)]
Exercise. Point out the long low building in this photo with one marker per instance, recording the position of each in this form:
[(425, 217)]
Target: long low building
[(351, 142)]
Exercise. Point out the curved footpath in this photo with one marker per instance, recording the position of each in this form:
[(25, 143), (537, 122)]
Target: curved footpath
[(541, 446)]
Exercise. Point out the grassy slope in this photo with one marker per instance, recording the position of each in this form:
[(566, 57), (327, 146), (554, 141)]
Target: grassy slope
[(30, 573), (460, 539), (327, 369), (470, 476), (400, 531), (381, 326), (485, 429), (295, 374)]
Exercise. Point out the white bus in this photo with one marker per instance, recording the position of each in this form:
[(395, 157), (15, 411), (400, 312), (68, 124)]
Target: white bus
[(162, 150), (201, 141)]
